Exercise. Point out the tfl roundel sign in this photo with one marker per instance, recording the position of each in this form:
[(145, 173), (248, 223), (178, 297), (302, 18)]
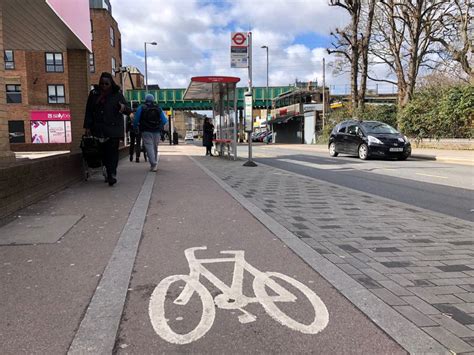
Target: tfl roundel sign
[(238, 39)]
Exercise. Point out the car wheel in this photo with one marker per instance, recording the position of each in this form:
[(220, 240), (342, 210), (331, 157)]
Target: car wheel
[(363, 151), (332, 150)]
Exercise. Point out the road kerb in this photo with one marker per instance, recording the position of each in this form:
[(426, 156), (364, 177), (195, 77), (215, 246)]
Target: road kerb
[(98, 329)]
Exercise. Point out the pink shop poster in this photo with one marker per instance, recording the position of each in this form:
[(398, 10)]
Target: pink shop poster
[(39, 132)]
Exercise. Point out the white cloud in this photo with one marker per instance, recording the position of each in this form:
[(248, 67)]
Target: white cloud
[(194, 37)]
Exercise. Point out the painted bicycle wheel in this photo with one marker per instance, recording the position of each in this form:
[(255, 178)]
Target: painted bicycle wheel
[(157, 310), (321, 317)]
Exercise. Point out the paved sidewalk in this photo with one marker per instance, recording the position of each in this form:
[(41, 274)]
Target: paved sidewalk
[(83, 289), (410, 271), (419, 263), (465, 157)]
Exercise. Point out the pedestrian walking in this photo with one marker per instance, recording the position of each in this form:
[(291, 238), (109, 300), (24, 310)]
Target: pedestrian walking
[(150, 119), (135, 141), (208, 134), (104, 119)]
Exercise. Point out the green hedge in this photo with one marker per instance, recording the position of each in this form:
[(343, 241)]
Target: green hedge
[(439, 112)]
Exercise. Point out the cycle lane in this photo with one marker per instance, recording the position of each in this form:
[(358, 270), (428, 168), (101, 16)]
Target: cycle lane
[(188, 209)]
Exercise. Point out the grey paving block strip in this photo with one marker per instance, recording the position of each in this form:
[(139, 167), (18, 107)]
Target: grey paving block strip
[(98, 329), (382, 223), (407, 334)]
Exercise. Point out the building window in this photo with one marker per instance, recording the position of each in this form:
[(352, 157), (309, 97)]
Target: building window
[(16, 131), (9, 59), (13, 94), (56, 94), (114, 65), (54, 63), (92, 30), (91, 63), (112, 37)]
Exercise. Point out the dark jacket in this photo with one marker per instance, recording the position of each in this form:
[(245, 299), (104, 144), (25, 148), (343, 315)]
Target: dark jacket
[(207, 134), (105, 120)]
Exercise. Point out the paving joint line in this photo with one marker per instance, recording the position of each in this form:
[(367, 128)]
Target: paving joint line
[(404, 332), (98, 329)]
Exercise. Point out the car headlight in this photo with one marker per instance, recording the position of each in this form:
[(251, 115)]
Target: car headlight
[(373, 140), (406, 139)]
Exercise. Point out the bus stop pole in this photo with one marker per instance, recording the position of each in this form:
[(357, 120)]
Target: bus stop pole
[(249, 111)]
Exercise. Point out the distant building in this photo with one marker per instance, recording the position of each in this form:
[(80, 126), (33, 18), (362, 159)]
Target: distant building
[(134, 79), (106, 53), (185, 121)]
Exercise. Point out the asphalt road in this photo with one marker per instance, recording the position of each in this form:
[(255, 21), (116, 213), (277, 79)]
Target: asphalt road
[(443, 188)]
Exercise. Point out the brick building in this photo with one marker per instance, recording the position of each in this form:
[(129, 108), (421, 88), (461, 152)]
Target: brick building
[(38, 90), (106, 53)]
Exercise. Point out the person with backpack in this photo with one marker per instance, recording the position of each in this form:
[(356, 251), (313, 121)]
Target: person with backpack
[(150, 119), (135, 140), (104, 120)]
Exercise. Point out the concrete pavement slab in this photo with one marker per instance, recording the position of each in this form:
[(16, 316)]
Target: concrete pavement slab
[(37, 229)]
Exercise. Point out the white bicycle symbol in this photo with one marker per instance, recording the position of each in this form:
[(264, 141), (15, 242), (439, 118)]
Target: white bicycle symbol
[(231, 298)]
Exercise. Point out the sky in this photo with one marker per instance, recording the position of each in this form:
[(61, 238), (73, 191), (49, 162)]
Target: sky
[(193, 38)]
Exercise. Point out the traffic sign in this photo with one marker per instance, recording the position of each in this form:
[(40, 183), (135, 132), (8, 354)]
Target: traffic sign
[(238, 39), (239, 50)]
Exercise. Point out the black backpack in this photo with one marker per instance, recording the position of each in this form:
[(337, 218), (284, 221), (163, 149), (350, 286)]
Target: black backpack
[(151, 118)]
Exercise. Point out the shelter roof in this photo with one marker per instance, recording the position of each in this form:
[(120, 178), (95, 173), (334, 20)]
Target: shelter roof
[(202, 87)]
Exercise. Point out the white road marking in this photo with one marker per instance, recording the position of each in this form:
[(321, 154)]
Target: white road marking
[(435, 176), (319, 166), (231, 297)]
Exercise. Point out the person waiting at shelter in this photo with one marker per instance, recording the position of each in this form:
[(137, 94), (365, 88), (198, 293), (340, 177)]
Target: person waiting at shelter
[(207, 135), (150, 119), (104, 119)]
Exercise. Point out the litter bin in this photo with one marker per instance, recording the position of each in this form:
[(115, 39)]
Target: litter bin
[(175, 138)]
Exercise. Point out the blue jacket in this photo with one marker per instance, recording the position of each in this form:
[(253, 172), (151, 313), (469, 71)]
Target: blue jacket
[(138, 114)]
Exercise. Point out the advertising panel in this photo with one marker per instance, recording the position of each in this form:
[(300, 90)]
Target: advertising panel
[(56, 132), (248, 113), (39, 132), (51, 126), (68, 132)]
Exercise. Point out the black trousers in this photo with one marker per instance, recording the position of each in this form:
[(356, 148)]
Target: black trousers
[(135, 144), (110, 155), (208, 149)]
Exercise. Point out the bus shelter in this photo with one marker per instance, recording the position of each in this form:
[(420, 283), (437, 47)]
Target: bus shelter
[(221, 90)]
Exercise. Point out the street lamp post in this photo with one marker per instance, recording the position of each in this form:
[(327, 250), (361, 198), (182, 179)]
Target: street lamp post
[(266, 93), (146, 66)]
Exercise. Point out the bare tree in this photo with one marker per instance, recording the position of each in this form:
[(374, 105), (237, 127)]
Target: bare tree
[(456, 36), (364, 43), (347, 43), (403, 40), (352, 43)]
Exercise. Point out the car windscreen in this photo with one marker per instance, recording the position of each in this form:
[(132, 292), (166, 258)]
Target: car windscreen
[(378, 127)]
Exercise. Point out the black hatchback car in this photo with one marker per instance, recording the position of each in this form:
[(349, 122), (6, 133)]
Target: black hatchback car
[(368, 138)]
